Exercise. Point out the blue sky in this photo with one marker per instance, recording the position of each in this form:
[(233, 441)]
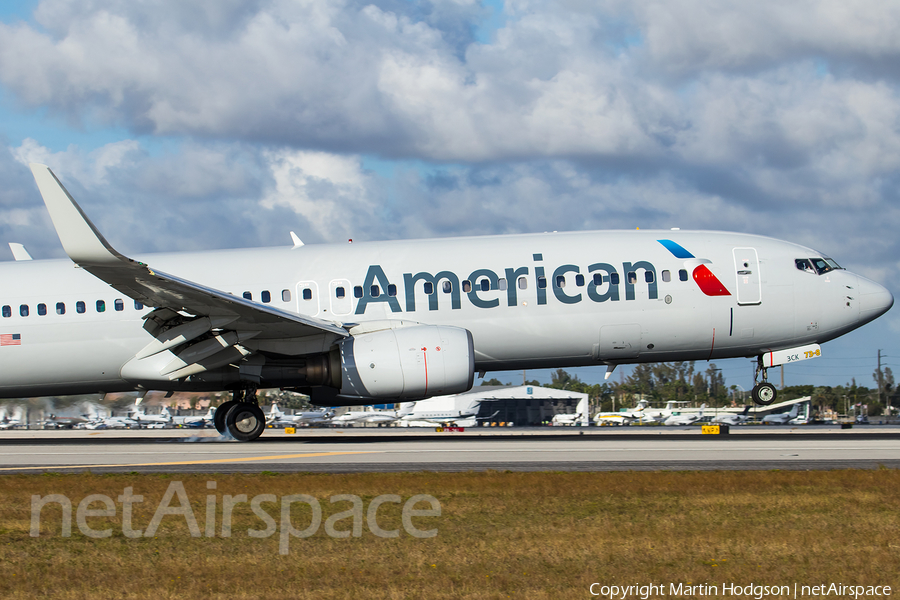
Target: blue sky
[(397, 119)]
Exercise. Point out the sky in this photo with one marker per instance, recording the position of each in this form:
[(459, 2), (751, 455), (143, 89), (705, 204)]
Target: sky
[(198, 125)]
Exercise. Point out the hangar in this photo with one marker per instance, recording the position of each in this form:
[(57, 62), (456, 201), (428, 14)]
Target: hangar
[(528, 404)]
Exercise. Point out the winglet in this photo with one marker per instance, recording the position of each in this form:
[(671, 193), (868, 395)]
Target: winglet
[(80, 239), (19, 251)]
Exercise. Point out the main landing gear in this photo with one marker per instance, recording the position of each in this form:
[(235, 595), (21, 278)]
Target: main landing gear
[(764, 393), (241, 417)]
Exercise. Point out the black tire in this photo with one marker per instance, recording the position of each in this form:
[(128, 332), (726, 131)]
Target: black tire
[(245, 421), (221, 413), (764, 394)]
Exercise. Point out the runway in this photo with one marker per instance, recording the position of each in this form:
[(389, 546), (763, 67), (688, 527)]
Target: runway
[(393, 450)]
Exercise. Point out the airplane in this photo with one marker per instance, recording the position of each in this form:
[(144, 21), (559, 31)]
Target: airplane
[(624, 417), (163, 419), (375, 322), (441, 410), (733, 419), (567, 419), (661, 414), (370, 415), (782, 418), (14, 422), (197, 421), (685, 419), (278, 418)]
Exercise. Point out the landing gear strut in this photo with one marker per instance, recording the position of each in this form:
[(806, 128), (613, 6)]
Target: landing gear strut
[(241, 417), (764, 393)]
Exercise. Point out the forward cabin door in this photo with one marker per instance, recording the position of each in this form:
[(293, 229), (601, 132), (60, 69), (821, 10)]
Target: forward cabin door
[(749, 284)]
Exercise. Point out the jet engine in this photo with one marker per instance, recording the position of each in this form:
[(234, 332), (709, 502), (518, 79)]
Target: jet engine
[(408, 363)]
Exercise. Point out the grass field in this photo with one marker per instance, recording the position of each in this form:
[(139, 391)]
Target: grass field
[(499, 535)]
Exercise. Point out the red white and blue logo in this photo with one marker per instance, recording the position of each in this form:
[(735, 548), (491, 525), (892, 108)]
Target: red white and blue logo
[(709, 284)]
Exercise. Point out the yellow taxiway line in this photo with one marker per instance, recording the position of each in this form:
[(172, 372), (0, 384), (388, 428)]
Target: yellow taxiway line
[(188, 462)]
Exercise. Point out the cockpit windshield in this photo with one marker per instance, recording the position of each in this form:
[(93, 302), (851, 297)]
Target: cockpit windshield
[(816, 265)]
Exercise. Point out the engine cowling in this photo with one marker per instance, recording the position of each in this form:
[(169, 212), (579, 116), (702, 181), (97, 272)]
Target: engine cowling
[(408, 363)]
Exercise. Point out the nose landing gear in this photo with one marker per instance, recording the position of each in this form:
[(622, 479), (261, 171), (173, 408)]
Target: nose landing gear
[(763, 393), (241, 417)]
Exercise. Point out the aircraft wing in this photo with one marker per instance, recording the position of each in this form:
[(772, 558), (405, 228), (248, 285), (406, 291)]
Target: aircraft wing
[(87, 248)]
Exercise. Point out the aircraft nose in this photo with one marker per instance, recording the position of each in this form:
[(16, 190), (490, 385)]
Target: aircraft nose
[(874, 300)]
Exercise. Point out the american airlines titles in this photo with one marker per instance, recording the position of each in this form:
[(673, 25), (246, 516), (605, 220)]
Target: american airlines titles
[(605, 284)]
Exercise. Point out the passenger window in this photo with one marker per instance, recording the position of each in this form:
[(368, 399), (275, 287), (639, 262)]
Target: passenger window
[(80, 307), (666, 276), (560, 281), (598, 279), (447, 286), (542, 283), (266, 296), (23, 310), (339, 292), (101, 306), (682, 275), (138, 305), (392, 290), (466, 286), (307, 294), (523, 283), (632, 277), (579, 280), (357, 292), (614, 278), (485, 285), (7, 310), (248, 295), (285, 295), (648, 276), (120, 305), (60, 308), (503, 285), (375, 291), (42, 309), (429, 288)]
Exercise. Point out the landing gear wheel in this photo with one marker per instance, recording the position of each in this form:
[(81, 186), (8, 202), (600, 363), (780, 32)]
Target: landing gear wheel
[(221, 413), (245, 421), (764, 393)]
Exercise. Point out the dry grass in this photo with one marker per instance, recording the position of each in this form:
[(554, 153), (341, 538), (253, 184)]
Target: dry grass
[(518, 535)]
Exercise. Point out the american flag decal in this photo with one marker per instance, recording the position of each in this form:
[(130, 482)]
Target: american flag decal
[(10, 339)]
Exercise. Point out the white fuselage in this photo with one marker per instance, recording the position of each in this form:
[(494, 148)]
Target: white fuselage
[(529, 301)]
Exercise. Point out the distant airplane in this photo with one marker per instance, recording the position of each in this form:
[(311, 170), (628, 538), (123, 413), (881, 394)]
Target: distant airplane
[(206, 420), (686, 418), (369, 415), (377, 322), (661, 414), (442, 409), (782, 418), (733, 419), (278, 418), (624, 417)]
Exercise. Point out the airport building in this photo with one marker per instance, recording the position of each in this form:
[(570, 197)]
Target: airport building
[(528, 405)]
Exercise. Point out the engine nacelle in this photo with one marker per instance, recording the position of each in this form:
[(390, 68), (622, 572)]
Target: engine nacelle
[(408, 363)]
